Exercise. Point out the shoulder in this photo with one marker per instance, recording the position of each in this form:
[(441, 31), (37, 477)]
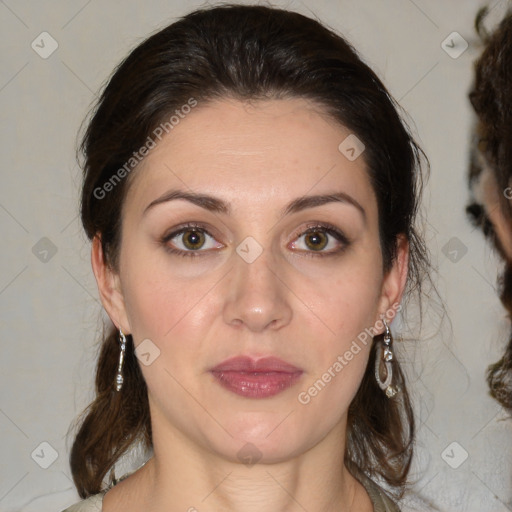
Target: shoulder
[(91, 504), (94, 503)]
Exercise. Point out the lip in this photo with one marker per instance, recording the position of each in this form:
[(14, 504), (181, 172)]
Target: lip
[(256, 378)]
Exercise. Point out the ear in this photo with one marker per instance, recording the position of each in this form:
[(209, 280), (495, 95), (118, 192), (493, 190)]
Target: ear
[(109, 287), (395, 279)]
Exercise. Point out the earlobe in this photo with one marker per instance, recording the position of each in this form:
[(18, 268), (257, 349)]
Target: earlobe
[(109, 287), (396, 278)]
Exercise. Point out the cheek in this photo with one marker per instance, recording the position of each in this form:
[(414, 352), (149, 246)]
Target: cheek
[(342, 298), (160, 305), (176, 318), (342, 310)]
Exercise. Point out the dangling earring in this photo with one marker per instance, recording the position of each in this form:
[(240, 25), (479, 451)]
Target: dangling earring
[(119, 377), (383, 359)]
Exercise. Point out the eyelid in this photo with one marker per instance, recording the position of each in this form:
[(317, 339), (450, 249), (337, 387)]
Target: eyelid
[(320, 224)]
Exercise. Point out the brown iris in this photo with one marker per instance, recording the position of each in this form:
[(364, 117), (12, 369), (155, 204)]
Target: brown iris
[(316, 240), (193, 239)]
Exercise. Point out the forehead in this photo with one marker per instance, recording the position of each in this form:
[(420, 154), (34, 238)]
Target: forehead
[(255, 154)]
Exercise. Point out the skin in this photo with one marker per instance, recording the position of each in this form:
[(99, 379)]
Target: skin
[(200, 311), (490, 196)]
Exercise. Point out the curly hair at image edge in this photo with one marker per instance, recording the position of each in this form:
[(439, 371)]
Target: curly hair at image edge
[(248, 53), (491, 98)]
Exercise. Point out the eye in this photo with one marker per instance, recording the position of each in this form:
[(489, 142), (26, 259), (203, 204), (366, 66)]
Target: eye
[(324, 239), (189, 240), (195, 240)]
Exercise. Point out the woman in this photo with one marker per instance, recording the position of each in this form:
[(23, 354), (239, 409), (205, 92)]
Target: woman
[(250, 192), (490, 174)]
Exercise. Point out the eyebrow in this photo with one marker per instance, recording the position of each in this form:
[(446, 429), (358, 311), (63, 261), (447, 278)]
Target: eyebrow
[(216, 205)]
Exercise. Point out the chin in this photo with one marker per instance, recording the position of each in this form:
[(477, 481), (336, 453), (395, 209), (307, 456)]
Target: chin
[(264, 438)]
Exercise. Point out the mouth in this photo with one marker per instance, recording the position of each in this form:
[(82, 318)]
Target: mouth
[(261, 378)]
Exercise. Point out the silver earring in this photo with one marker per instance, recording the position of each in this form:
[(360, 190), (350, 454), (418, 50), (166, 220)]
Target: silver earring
[(119, 376), (383, 359)]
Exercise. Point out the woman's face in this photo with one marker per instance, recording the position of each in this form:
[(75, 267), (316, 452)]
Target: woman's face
[(275, 254)]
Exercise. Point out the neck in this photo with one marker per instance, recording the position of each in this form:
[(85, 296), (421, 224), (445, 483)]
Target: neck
[(184, 477)]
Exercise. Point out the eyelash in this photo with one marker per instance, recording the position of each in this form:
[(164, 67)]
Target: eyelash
[(310, 228)]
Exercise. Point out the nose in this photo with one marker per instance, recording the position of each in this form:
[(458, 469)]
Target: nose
[(258, 297)]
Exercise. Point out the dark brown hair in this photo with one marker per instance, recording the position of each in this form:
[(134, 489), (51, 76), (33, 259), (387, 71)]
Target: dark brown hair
[(491, 98), (247, 53)]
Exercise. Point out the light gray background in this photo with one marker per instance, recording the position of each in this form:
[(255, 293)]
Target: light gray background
[(49, 311)]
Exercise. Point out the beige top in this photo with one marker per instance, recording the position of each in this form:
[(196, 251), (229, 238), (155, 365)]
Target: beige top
[(381, 501)]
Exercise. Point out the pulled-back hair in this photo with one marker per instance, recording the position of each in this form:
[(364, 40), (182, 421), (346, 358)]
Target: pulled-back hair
[(246, 53), (491, 98)]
